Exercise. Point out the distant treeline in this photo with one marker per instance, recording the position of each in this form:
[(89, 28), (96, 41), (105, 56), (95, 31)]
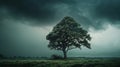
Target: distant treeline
[(54, 56), (21, 57)]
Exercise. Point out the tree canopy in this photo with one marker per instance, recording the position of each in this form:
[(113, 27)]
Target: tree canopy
[(67, 35)]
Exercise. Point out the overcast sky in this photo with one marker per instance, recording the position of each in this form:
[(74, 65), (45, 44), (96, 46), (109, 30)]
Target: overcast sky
[(24, 25)]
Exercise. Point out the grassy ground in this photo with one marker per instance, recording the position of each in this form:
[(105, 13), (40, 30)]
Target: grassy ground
[(81, 62)]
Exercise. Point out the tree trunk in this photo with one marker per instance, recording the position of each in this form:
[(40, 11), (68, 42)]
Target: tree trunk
[(65, 54)]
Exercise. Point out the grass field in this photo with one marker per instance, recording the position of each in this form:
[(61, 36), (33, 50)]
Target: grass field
[(79, 62)]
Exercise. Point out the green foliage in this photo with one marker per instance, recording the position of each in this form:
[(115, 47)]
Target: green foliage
[(67, 35)]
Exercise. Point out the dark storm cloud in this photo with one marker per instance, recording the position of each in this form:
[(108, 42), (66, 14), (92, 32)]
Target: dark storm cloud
[(28, 8), (89, 13), (110, 10), (42, 10)]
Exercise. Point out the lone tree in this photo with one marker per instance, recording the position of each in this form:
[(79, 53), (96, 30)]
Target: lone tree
[(68, 35)]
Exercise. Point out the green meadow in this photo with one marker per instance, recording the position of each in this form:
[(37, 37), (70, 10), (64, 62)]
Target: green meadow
[(77, 62)]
